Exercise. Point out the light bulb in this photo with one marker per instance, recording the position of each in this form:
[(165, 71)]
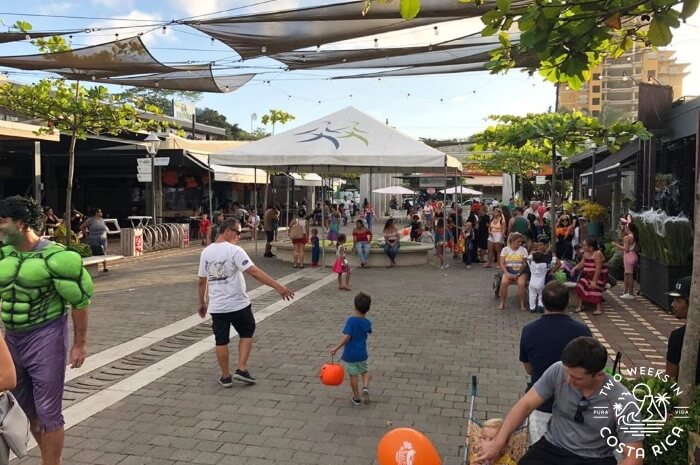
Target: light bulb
[(164, 30), (437, 32), (211, 43), (227, 88), (376, 43), (318, 48), (28, 37), (263, 49)]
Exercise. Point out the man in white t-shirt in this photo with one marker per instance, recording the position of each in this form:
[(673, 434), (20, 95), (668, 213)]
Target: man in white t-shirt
[(222, 292)]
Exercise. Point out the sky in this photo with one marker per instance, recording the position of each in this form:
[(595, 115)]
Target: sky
[(438, 106)]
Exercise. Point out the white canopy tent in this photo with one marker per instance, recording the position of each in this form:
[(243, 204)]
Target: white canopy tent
[(395, 190), (461, 190), (347, 140)]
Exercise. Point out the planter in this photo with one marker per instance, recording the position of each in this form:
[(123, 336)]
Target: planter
[(656, 279), (593, 230), (693, 448)]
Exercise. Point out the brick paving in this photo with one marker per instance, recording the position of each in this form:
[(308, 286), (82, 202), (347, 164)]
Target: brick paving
[(432, 331)]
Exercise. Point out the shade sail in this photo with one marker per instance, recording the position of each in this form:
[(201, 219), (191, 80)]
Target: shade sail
[(307, 179), (391, 57), (305, 27), (347, 140), (6, 37), (190, 80), (461, 190), (228, 173), (120, 57), (395, 190)]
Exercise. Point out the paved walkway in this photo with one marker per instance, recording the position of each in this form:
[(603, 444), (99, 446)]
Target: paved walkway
[(153, 397)]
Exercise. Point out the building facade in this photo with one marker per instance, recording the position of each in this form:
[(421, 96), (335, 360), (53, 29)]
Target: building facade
[(612, 93)]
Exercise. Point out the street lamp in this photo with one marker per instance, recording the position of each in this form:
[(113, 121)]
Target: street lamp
[(152, 146)]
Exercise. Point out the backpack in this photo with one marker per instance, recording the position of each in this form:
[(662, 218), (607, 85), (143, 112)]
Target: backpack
[(296, 231)]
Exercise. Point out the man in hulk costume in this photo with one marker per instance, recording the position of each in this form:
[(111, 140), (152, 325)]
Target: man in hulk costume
[(38, 280)]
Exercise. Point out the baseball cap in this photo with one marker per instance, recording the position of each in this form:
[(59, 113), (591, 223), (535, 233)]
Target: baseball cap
[(682, 288)]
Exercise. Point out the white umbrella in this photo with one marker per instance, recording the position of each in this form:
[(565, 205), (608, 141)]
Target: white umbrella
[(396, 190), (462, 190)]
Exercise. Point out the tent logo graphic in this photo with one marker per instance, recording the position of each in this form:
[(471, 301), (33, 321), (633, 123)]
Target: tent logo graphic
[(333, 135)]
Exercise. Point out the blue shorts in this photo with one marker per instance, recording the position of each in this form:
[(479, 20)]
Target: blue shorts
[(356, 368)]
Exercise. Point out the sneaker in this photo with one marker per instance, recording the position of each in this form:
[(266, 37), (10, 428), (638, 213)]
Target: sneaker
[(226, 382), (365, 396), (533, 310), (356, 401), (540, 309), (244, 376), (627, 296)]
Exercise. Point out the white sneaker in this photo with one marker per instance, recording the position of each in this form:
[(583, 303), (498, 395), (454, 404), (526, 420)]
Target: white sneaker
[(627, 296)]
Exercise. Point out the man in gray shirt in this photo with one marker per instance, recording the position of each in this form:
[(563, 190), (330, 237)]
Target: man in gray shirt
[(583, 417)]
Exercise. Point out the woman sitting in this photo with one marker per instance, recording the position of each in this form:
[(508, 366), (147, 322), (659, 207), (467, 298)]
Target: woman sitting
[(594, 277), (512, 262), (362, 238), (391, 241), (51, 222)]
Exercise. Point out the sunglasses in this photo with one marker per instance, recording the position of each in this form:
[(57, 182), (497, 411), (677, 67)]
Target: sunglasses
[(582, 406)]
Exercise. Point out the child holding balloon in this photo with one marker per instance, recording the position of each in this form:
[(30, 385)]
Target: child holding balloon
[(354, 344)]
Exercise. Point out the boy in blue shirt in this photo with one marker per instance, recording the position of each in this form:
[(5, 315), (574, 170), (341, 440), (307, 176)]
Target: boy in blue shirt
[(354, 341)]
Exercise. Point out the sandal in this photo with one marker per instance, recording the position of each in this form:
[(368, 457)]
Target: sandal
[(598, 312)]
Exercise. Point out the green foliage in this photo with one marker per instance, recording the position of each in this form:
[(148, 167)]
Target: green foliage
[(214, 118), (524, 143), (667, 239), (162, 99), (568, 38), (53, 44), (276, 116), (83, 250), (73, 244)]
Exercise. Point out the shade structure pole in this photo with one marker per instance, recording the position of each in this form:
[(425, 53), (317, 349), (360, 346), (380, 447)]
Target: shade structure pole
[(287, 173), (323, 224), (211, 196), (370, 198), (444, 217), (457, 214), (255, 207)]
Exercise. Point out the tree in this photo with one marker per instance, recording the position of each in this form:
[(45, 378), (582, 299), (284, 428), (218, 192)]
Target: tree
[(273, 117), (77, 111), (568, 38), (522, 161), (214, 118), (276, 116), (555, 134), (159, 98)]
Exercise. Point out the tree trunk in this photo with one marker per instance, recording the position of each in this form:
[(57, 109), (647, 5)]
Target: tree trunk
[(69, 188), (689, 354), (553, 192)]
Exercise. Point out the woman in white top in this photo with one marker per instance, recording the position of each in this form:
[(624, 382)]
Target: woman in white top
[(299, 234)]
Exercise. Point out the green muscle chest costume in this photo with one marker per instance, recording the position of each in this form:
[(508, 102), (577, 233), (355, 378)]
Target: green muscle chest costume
[(37, 286)]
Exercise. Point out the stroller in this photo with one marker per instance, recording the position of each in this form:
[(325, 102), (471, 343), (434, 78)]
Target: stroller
[(516, 448)]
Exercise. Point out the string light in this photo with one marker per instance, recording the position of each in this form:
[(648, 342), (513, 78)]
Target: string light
[(227, 88), (318, 48), (211, 42), (437, 32), (376, 43), (164, 30), (28, 37), (263, 49)]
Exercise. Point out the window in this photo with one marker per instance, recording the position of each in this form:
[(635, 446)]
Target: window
[(595, 101), (596, 89), (651, 74), (596, 76), (596, 112)]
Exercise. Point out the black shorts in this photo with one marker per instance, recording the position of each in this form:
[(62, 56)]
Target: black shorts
[(242, 321), (544, 453), (270, 236)]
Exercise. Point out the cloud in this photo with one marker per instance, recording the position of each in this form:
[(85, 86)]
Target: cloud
[(114, 4), (57, 8), (191, 8)]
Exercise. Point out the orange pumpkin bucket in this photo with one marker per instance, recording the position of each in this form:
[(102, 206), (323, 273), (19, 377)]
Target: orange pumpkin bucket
[(332, 374)]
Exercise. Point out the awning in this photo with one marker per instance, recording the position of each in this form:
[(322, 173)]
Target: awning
[(227, 173), (485, 181), (616, 159), (306, 180), (607, 171)]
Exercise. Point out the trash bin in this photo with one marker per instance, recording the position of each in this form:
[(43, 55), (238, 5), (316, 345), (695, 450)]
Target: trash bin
[(132, 242)]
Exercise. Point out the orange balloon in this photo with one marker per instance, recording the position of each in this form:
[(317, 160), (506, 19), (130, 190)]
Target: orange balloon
[(332, 374), (405, 232), (406, 446)]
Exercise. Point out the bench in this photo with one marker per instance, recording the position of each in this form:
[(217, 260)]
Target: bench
[(91, 263)]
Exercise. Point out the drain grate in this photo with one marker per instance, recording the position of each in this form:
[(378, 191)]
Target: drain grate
[(90, 383)]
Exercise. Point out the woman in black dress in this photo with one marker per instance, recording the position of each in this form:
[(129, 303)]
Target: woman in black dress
[(482, 232)]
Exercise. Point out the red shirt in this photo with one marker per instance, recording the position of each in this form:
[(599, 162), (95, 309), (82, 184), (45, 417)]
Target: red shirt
[(204, 225)]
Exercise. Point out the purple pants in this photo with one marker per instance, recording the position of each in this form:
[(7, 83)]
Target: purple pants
[(40, 360)]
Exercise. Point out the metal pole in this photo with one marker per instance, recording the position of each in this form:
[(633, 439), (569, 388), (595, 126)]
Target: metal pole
[(255, 207), (457, 214), (370, 196), (287, 173), (211, 195), (323, 224), (593, 179), (444, 217), (153, 187)]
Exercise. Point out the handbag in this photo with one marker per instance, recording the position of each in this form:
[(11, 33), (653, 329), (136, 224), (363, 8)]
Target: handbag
[(296, 231), (14, 426)]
